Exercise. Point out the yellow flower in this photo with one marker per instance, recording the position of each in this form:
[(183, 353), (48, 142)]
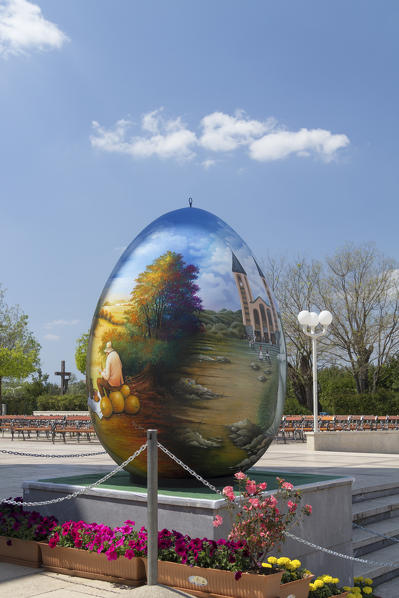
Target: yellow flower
[(283, 561), (307, 572), (266, 565), (367, 590), (327, 578), (295, 563), (347, 588), (319, 583), (368, 581), (311, 587), (357, 579), (272, 560), (350, 595), (335, 580)]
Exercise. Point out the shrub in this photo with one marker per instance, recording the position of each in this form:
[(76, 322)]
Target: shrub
[(383, 402), (62, 403)]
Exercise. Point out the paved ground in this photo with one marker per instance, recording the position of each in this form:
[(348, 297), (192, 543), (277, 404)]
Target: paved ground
[(366, 469)]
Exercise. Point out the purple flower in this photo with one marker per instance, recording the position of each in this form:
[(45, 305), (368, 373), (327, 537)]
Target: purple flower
[(237, 575), (129, 554), (9, 542)]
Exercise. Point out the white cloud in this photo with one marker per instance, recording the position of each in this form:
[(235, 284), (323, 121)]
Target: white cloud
[(51, 337), (218, 132), (279, 145), (23, 28), (222, 132), (208, 163), (162, 138), (55, 323)]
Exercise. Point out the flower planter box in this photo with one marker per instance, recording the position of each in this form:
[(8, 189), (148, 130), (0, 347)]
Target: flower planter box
[(217, 583), (20, 552), (296, 589), (81, 563)]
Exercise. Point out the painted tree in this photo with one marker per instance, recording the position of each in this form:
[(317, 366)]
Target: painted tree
[(164, 301), (19, 350)]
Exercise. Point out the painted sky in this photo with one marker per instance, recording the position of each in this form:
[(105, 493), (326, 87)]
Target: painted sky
[(204, 241), (278, 117)]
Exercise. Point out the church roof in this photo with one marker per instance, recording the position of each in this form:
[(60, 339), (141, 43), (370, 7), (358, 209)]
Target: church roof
[(259, 270), (236, 266)]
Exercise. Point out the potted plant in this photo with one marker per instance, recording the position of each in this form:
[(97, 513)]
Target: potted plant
[(232, 567), (96, 551), (363, 586), (325, 586), (295, 579), (20, 534)]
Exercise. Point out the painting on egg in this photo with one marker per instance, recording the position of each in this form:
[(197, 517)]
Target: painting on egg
[(187, 339)]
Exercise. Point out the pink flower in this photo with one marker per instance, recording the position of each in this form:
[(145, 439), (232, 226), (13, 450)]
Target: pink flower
[(254, 502), (262, 486), (272, 501), (129, 554), (308, 509), (228, 491), (250, 487), (111, 554), (240, 475), (292, 506), (217, 521), (287, 486)]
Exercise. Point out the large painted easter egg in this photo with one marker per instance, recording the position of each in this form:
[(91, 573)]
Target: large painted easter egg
[(187, 339)]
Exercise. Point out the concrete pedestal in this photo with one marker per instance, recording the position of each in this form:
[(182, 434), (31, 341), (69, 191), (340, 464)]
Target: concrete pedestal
[(192, 510), (353, 441)]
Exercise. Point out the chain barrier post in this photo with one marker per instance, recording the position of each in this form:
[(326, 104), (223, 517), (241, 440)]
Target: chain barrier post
[(152, 507)]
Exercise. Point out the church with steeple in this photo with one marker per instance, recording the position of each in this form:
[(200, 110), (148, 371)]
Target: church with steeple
[(258, 316)]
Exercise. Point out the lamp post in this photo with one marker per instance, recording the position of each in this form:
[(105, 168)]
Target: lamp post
[(309, 320)]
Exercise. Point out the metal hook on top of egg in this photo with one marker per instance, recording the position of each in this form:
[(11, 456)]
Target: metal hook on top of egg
[(187, 338)]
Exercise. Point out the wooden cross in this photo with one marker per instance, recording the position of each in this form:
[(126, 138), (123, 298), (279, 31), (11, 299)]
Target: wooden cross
[(65, 376)]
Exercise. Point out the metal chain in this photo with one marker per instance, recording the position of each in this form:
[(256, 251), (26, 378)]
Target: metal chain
[(371, 531), (343, 556), (21, 454), (191, 471), (82, 490)]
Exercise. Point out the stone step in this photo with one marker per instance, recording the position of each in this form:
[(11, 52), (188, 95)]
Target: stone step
[(387, 489), (389, 589), (375, 509), (364, 541), (380, 573)]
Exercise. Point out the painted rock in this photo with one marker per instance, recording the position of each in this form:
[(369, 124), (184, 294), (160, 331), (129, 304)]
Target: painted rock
[(187, 339)]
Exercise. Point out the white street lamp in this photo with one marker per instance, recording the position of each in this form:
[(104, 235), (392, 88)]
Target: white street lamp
[(309, 320)]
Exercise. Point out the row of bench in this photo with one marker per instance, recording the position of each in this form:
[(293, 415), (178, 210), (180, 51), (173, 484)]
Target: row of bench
[(48, 426), (294, 427)]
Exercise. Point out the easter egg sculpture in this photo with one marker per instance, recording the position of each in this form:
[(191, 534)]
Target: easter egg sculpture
[(187, 339)]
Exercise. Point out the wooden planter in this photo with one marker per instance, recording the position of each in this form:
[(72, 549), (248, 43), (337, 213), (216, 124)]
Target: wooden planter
[(217, 583), (81, 563), (297, 589), (20, 552)]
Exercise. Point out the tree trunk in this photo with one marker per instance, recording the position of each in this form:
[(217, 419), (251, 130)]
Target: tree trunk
[(0, 390)]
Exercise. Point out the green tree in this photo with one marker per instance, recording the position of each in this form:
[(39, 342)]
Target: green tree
[(81, 352), (19, 350)]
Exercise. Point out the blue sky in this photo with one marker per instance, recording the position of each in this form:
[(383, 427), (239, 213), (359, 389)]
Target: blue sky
[(279, 117)]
